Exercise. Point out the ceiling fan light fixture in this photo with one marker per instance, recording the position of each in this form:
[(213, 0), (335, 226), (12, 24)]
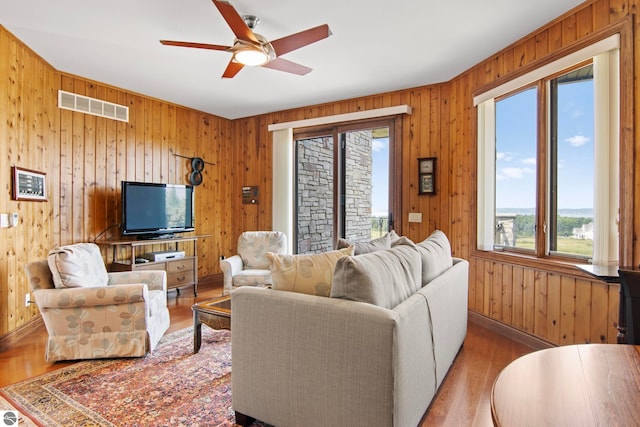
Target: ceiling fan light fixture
[(251, 56)]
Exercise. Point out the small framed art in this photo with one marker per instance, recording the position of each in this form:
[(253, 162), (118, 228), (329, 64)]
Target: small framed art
[(427, 184), (426, 165), (427, 175), (29, 185)]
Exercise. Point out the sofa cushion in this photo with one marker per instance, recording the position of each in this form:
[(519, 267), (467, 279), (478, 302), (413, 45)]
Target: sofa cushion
[(77, 266), (305, 273), (359, 248), (435, 252), (384, 278)]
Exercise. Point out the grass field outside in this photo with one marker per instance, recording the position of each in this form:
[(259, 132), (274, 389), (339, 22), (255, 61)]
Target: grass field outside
[(582, 247)]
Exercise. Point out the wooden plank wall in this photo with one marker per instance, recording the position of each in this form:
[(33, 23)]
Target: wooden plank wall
[(85, 158), (554, 303)]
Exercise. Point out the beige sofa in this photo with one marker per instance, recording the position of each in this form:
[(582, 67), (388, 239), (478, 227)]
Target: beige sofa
[(308, 360)]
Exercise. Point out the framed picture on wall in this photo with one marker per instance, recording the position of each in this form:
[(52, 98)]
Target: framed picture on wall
[(427, 175), (427, 183), (29, 185), (426, 165)]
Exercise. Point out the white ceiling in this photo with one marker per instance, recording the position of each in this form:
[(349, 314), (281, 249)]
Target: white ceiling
[(377, 46)]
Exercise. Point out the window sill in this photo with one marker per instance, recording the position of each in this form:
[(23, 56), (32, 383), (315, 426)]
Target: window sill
[(552, 265)]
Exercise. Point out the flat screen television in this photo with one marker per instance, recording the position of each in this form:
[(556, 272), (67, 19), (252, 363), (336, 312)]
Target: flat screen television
[(152, 210)]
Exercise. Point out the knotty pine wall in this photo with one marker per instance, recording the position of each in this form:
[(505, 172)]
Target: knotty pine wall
[(553, 302), (85, 158)]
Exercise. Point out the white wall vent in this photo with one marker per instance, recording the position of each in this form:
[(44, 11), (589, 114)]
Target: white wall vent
[(96, 107)]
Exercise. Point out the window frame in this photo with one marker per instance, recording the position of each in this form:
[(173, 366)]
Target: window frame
[(544, 71), (336, 131)]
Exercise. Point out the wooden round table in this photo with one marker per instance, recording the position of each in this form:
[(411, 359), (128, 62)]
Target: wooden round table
[(578, 385)]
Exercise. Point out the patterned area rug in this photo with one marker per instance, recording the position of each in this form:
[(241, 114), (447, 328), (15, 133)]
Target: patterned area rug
[(171, 387)]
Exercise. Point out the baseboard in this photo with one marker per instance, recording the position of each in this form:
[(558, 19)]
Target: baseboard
[(510, 332), (17, 334)]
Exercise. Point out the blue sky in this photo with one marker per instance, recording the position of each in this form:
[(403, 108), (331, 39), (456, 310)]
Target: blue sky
[(516, 148)]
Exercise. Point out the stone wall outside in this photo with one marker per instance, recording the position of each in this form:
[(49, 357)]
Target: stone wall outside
[(315, 191)]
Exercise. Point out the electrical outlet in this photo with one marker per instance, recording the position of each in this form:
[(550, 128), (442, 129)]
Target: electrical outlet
[(27, 300)]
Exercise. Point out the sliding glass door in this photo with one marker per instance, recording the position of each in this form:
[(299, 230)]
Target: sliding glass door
[(342, 185)]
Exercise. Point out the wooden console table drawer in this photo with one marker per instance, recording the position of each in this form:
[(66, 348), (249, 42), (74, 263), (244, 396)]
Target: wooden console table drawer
[(180, 265), (149, 266), (180, 279)]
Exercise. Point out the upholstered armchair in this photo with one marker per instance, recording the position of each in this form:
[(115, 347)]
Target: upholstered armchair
[(250, 267), (92, 314)]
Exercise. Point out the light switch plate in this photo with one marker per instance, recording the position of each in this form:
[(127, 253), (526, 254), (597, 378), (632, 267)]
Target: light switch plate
[(415, 216), (4, 220)]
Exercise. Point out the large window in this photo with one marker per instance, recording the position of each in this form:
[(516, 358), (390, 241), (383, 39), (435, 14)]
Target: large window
[(548, 147)]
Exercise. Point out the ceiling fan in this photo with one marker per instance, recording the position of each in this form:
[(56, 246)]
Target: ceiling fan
[(253, 49)]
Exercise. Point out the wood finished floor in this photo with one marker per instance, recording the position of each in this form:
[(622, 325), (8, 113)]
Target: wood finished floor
[(463, 398)]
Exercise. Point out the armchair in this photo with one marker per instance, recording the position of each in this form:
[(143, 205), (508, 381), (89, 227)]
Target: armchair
[(251, 266), (92, 314)]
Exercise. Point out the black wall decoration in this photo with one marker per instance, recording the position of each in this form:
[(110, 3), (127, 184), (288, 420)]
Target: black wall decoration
[(197, 165)]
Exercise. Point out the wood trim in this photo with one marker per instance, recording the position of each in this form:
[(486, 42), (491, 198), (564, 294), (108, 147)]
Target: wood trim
[(627, 142), (343, 118), (621, 27), (509, 331), (11, 338)]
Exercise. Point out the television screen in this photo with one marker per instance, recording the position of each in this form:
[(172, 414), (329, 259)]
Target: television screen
[(156, 209)]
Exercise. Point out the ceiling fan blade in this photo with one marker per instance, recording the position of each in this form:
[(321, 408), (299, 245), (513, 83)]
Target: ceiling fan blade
[(281, 64), (232, 69), (298, 40), (195, 45), (235, 21)]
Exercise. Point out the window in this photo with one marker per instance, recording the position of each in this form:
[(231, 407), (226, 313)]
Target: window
[(515, 172), (547, 161)]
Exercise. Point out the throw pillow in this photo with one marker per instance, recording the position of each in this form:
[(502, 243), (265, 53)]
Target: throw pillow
[(435, 252), (77, 266), (384, 278), (393, 236), (359, 248), (404, 240), (305, 273)]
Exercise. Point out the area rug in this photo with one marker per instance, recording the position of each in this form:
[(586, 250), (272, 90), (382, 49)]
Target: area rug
[(171, 387)]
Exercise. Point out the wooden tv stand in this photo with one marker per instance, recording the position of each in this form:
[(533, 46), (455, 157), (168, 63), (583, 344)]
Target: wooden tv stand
[(181, 272)]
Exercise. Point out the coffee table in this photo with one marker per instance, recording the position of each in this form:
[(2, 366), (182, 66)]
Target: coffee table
[(215, 313)]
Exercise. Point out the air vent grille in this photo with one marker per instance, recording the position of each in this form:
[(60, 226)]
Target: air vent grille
[(96, 107)]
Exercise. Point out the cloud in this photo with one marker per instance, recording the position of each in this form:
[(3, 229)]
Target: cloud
[(515, 173), (507, 157), (577, 140), (378, 145), (529, 161)]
